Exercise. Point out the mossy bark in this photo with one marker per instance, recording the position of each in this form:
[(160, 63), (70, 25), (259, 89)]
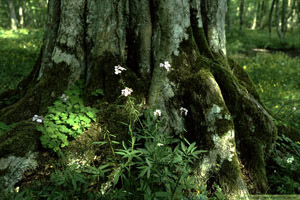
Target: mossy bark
[(87, 38)]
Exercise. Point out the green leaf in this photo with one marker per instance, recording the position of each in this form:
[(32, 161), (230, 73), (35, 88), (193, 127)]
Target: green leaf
[(116, 178), (90, 114), (165, 195)]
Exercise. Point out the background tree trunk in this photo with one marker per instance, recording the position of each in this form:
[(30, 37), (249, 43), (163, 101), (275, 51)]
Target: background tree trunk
[(13, 17), (262, 14), (255, 22), (290, 16), (284, 16), (277, 17), (270, 16), (242, 7), (21, 14), (87, 38), (228, 15)]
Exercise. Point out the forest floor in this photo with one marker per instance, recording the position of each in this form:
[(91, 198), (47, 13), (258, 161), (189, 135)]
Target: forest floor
[(272, 65)]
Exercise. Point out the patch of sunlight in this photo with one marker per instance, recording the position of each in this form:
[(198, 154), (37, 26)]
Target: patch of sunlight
[(4, 33)]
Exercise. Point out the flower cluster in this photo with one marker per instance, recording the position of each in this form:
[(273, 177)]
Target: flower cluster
[(183, 111), (64, 98), (127, 91), (160, 144), (290, 160), (165, 65), (38, 119), (119, 69), (157, 112)]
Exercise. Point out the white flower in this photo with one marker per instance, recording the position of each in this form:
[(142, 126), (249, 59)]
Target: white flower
[(127, 91), (17, 189), (157, 113), (183, 111), (38, 119), (294, 108), (35, 117), (64, 98), (166, 65), (160, 144), (119, 69), (290, 160)]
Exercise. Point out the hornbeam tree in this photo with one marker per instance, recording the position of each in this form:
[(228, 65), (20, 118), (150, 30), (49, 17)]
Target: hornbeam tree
[(87, 38)]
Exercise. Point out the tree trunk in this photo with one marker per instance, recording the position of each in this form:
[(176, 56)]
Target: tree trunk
[(13, 17), (262, 14), (242, 7), (256, 16), (228, 15), (284, 16), (277, 16), (87, 38), (270, 16), (290, 16), (21, 14)]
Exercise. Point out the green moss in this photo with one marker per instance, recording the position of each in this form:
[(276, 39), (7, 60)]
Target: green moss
[(229, 174), (16, 141), (243, 78), (38, 96), (254, 160)]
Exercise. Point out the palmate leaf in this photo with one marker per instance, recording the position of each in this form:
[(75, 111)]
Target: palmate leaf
[(90, 114)]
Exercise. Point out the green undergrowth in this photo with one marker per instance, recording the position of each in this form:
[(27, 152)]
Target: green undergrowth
[(152, 164), (18, 53), (67, 118), (276, 76), (277, 80), (246, 40), (284, 167)]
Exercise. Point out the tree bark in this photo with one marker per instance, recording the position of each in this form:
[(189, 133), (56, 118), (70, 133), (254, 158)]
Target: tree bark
[(87, 38), (255, 22), (242, 7), (284, 16), (262, 14), (13, 17), (21, 14), (277, 16), (228, 15), (290, 16), (270, 16)]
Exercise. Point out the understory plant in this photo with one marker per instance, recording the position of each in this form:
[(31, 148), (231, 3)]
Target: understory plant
[(67, 118), (285, 167), (153, 164)]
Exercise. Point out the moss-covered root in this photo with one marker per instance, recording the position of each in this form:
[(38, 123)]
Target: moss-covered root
[(252, 123), (38, 96), (218, 134)]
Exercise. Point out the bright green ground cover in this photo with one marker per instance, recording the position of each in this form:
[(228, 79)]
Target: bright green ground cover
[(276, 74), (18, 52), (277, 80), (246, 40)]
